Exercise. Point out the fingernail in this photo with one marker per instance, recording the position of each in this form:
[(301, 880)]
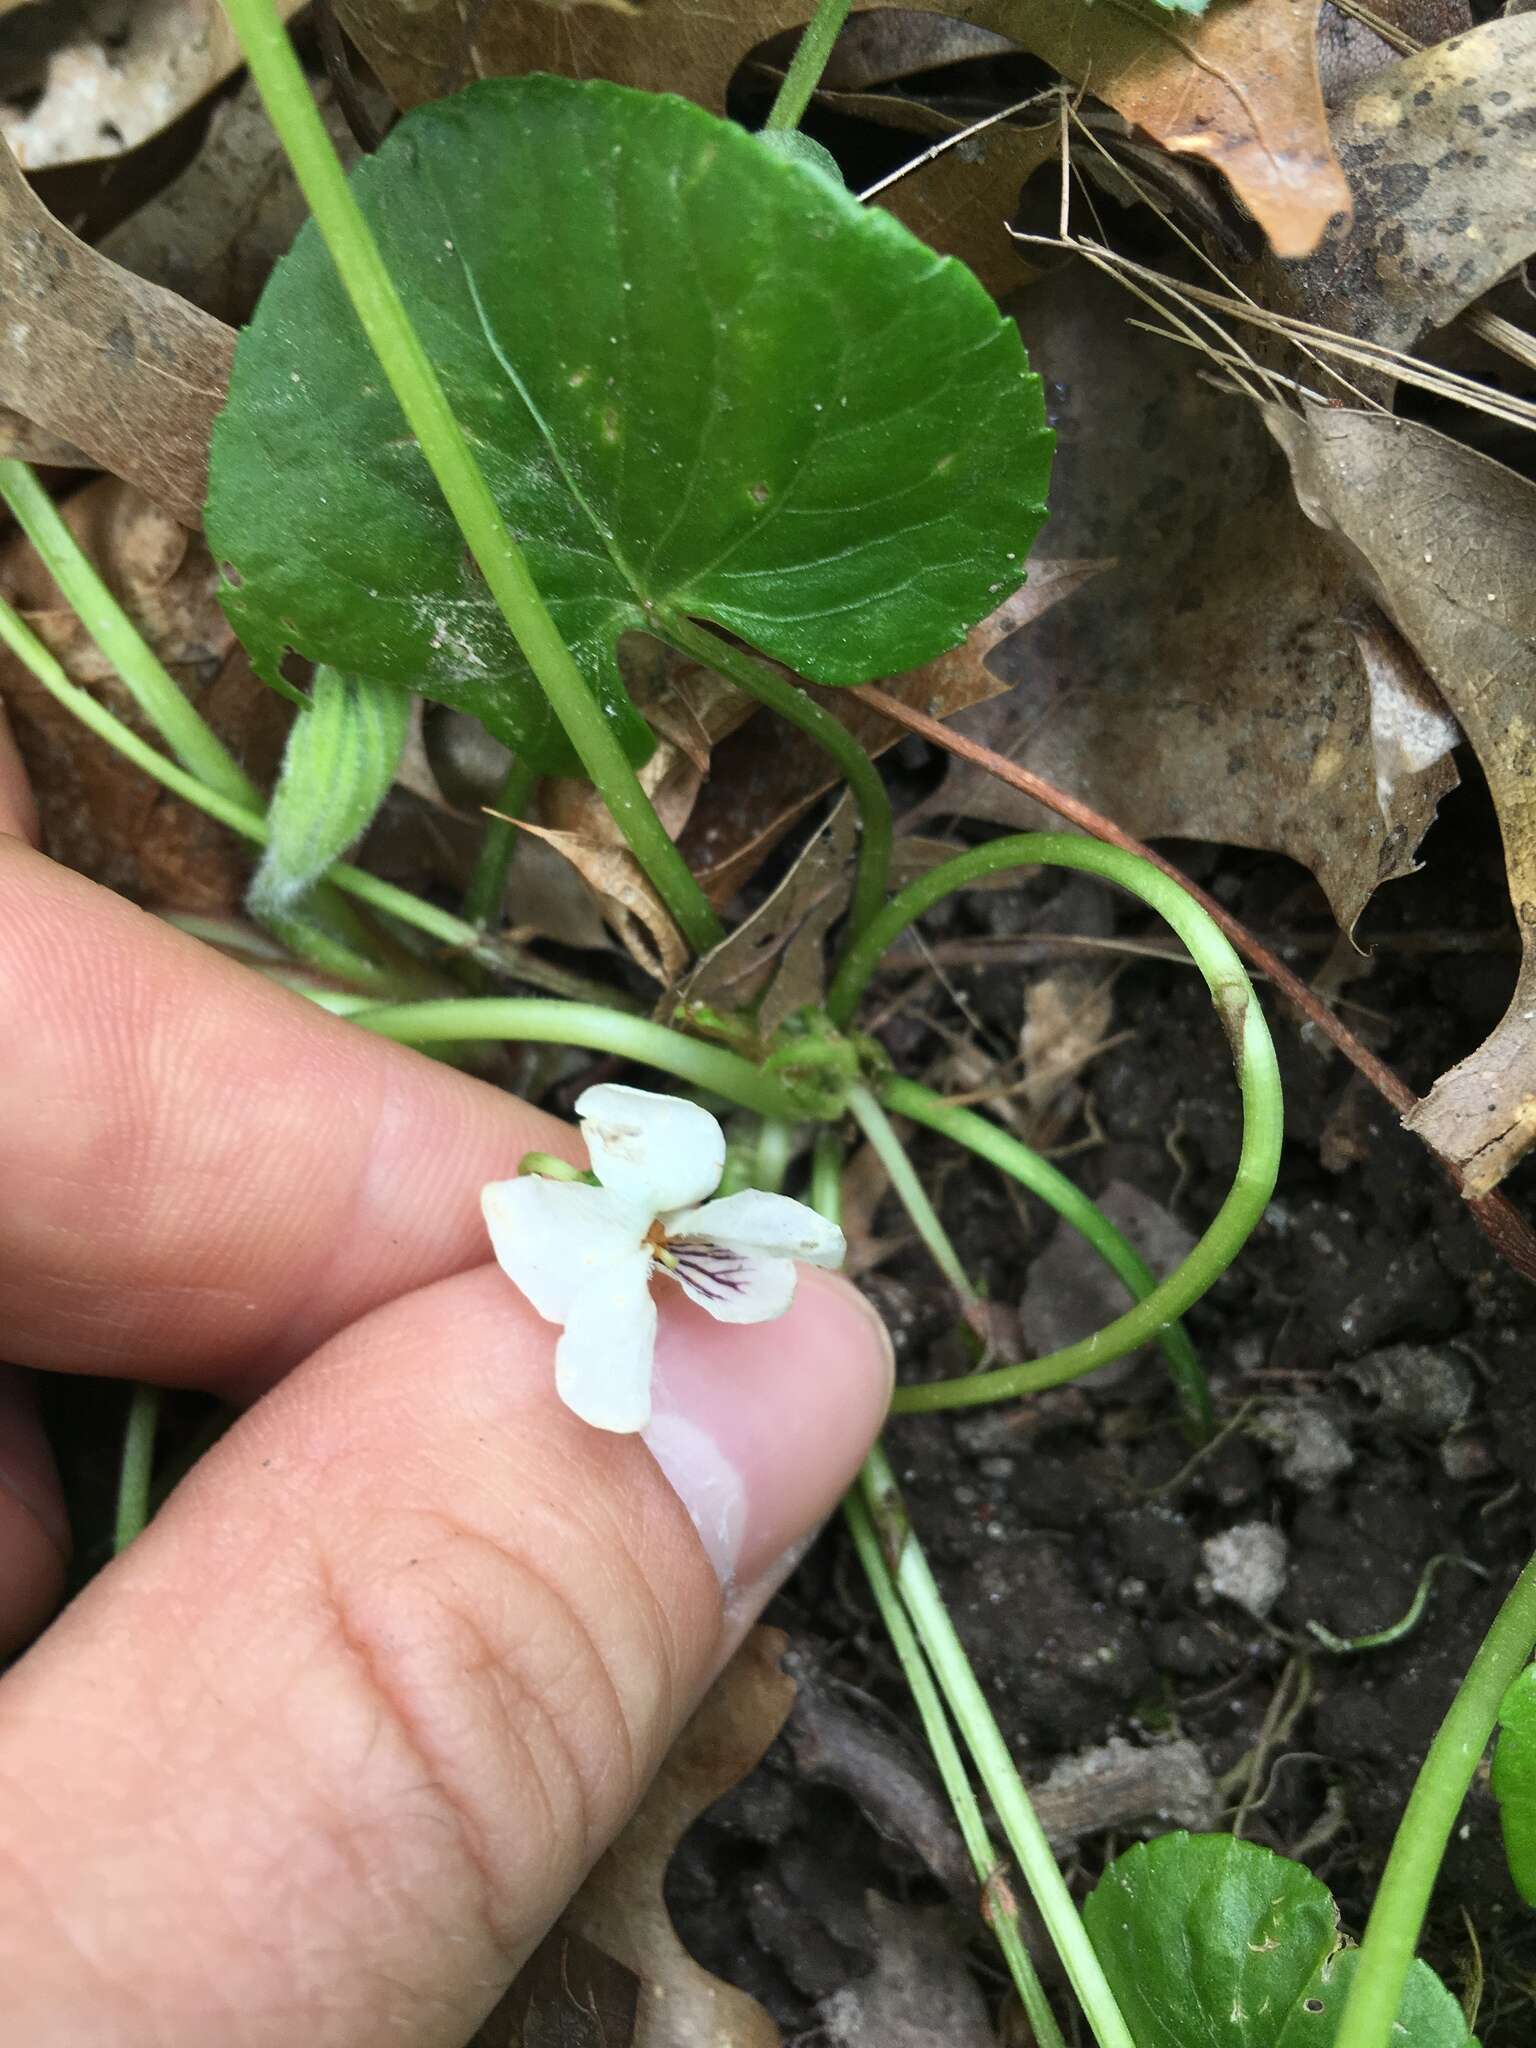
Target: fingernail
[(760, 1428)]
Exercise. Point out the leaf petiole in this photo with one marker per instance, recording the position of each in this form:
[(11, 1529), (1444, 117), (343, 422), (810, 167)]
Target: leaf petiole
[(798, 708), (485, 898), (807, 65)]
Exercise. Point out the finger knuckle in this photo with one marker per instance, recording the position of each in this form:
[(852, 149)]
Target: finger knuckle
[(522, 1696)]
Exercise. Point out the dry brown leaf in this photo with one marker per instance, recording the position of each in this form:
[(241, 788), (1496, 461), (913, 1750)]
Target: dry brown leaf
[(620, 1908), (125, 370), (767, 776), (101, 76), (690, 709), (963, 200), (781, 942), (1440, 150), (628, 900), (101, 815), (1067, 1018), (567, 1995), (890, 43), (214, 233), (1237, 88), (1212, 685), (1449, 539), (1348, 51), (27, 443)]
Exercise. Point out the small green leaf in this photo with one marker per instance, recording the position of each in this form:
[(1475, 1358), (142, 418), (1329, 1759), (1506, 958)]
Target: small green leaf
[(1428, 2017), (340, 760), (1514, 1781), (699, 376), (1207, 1941)]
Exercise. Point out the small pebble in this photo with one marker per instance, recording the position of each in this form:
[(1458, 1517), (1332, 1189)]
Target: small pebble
[(1247, 1565)]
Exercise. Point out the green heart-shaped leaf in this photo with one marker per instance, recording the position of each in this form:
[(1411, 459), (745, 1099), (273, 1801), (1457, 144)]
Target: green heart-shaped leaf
[(1427, 2015), (1212, 1942), (1208, 1941), (699, 376)]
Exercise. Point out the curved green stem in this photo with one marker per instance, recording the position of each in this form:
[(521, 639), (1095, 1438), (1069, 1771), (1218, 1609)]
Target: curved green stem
[(142, 673), (1208, 947), (415, 383), (807, 64), (425, 917), (1253, 1054), (829, 733), (1157, 1318), (908, 1188), (538, 1021), (137, 1466), (1392, 1932)]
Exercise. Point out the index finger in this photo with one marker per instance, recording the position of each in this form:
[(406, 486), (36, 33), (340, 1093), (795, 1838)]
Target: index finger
[(204, 1175)]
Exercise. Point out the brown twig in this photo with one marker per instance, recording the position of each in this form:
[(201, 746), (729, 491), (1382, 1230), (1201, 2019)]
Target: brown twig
[(1500, 1222)]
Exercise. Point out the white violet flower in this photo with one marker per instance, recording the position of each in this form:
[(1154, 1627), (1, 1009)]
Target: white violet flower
[(585, 1255)]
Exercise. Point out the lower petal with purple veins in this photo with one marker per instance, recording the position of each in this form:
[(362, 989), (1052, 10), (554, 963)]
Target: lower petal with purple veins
[(734, 1285)]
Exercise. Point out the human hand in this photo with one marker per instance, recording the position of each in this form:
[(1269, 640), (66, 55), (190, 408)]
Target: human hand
[(319, 1758)]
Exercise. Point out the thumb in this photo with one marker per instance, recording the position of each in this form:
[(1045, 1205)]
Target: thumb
[(322, 1755)]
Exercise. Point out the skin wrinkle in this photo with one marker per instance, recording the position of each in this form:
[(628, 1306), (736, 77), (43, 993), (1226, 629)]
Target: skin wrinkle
[(571, 1769), (390, 1695), (606, 1537)]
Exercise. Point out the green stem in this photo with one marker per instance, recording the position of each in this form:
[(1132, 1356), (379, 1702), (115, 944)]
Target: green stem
[(437, 924), (486, 896), (139, 668), (137, 1466), (286, 96), (1392, 1932), (329, 935), (909, 1190), (807, 64), (775, 1141), (830, 734), (537, 1021), (977, 1723), (998, 1905), (1154, 1317), (1208, 947), (827, 1174), (1247, 1034)]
